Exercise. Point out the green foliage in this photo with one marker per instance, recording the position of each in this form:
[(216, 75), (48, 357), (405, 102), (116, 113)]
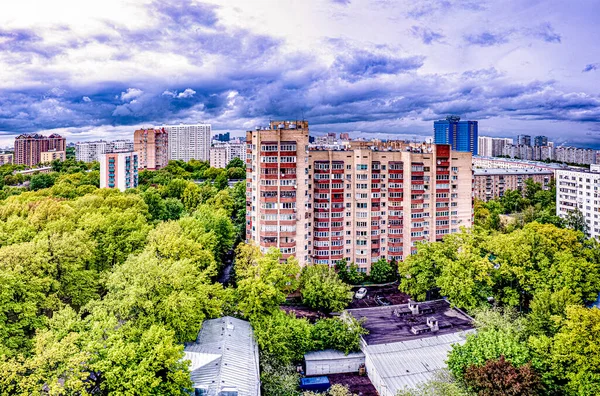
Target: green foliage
[(441, 384), (383, 271), (334, 390), (39, 181), (576, 351), (236, 163), (277, 378), (322, 289), (284, 336), (338, 333), (263, 282)]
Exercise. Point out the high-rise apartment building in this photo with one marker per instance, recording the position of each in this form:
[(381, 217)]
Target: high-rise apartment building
[(368, 201), (90, 151), (152, 147), (578, 189), (222, 153), (540, 141), (119, 170), (491, 147), (187, 142), (460, 135), (524, 140), (29, 147)]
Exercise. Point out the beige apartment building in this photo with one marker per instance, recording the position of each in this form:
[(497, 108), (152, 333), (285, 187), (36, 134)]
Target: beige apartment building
[(48, 156), (369, 201), (152, 146), (6, 158), (493, 183)]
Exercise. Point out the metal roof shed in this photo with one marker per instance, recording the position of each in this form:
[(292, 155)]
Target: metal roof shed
[(224, 359), (331, 361)]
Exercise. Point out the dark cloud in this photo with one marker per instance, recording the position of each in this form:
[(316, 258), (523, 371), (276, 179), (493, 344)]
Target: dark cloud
[(342, 2), (590, 67), (185, 12), (426, 35), (544, 32), (426, 8), (487, 39), (359, 64)]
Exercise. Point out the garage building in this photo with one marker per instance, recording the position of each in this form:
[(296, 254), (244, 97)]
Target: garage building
[(333, 362)]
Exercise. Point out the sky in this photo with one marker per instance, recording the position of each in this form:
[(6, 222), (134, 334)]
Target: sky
[(375, 68)]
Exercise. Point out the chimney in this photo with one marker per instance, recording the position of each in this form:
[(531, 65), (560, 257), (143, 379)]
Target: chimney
[(432, 322), (413, 306)]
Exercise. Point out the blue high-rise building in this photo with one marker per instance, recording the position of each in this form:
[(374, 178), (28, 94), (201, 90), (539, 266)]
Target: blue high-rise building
[(461, 135)]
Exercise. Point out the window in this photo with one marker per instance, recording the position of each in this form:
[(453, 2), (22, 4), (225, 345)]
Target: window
[(268, 147), (268, 159), (361, 167), (288, 160), (288, 147)]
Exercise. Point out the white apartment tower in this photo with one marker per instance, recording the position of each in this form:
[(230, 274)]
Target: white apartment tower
[(119, 170), (580, 189), (187, 142)]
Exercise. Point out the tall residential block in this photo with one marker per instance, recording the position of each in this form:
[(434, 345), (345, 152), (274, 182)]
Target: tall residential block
[(460, 135), (90, 151), (119, 170), (524, 140), (368, 201), (187, 142), (578, 189), (29, 147), (491, 147), (152, 146), (222, 153), (540, 141)]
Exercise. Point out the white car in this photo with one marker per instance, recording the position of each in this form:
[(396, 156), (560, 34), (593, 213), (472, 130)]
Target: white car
[(360, 293)]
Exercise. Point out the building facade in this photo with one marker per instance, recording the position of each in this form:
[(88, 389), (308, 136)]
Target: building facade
[(6, 158), (48, 156), (460, 135), (222, 153), (187, 142), (579, 189), (491, 147), (152, 147), (493, 183), (119, 170), (29, 147), (540, 141), (363, 203), (90, 151)]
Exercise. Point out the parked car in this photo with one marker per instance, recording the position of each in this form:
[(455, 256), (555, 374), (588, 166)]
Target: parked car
[(382, 301), (360, 293)]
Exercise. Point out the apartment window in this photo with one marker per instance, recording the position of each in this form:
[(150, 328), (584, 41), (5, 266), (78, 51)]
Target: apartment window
[(288, 147), (288, 160), (361, 223), (268, 159), (268, 147), (361, 167)]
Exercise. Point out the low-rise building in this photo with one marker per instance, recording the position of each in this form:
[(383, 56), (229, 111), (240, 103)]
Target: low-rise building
[(408, 343), (579, 189), (493, 183), (52, 155), (6, 158), (119, 170), (224, 359)]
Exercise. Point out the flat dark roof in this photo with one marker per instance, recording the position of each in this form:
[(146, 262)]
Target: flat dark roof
[(394, 323)]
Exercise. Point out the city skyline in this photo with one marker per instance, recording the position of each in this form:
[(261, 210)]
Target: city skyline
[(381, 68)]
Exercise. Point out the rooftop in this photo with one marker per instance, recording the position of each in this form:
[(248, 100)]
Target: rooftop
[(512, 171), (225, 357), (397, 323)]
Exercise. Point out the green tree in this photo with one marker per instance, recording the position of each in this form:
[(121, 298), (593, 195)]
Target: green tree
[(383, 271), (236, 163), (40, 181), (576, 221), (576, 351), (221, 181), (263, 282), (499, 378), (283, 336), (322, 289), (338, 333)]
